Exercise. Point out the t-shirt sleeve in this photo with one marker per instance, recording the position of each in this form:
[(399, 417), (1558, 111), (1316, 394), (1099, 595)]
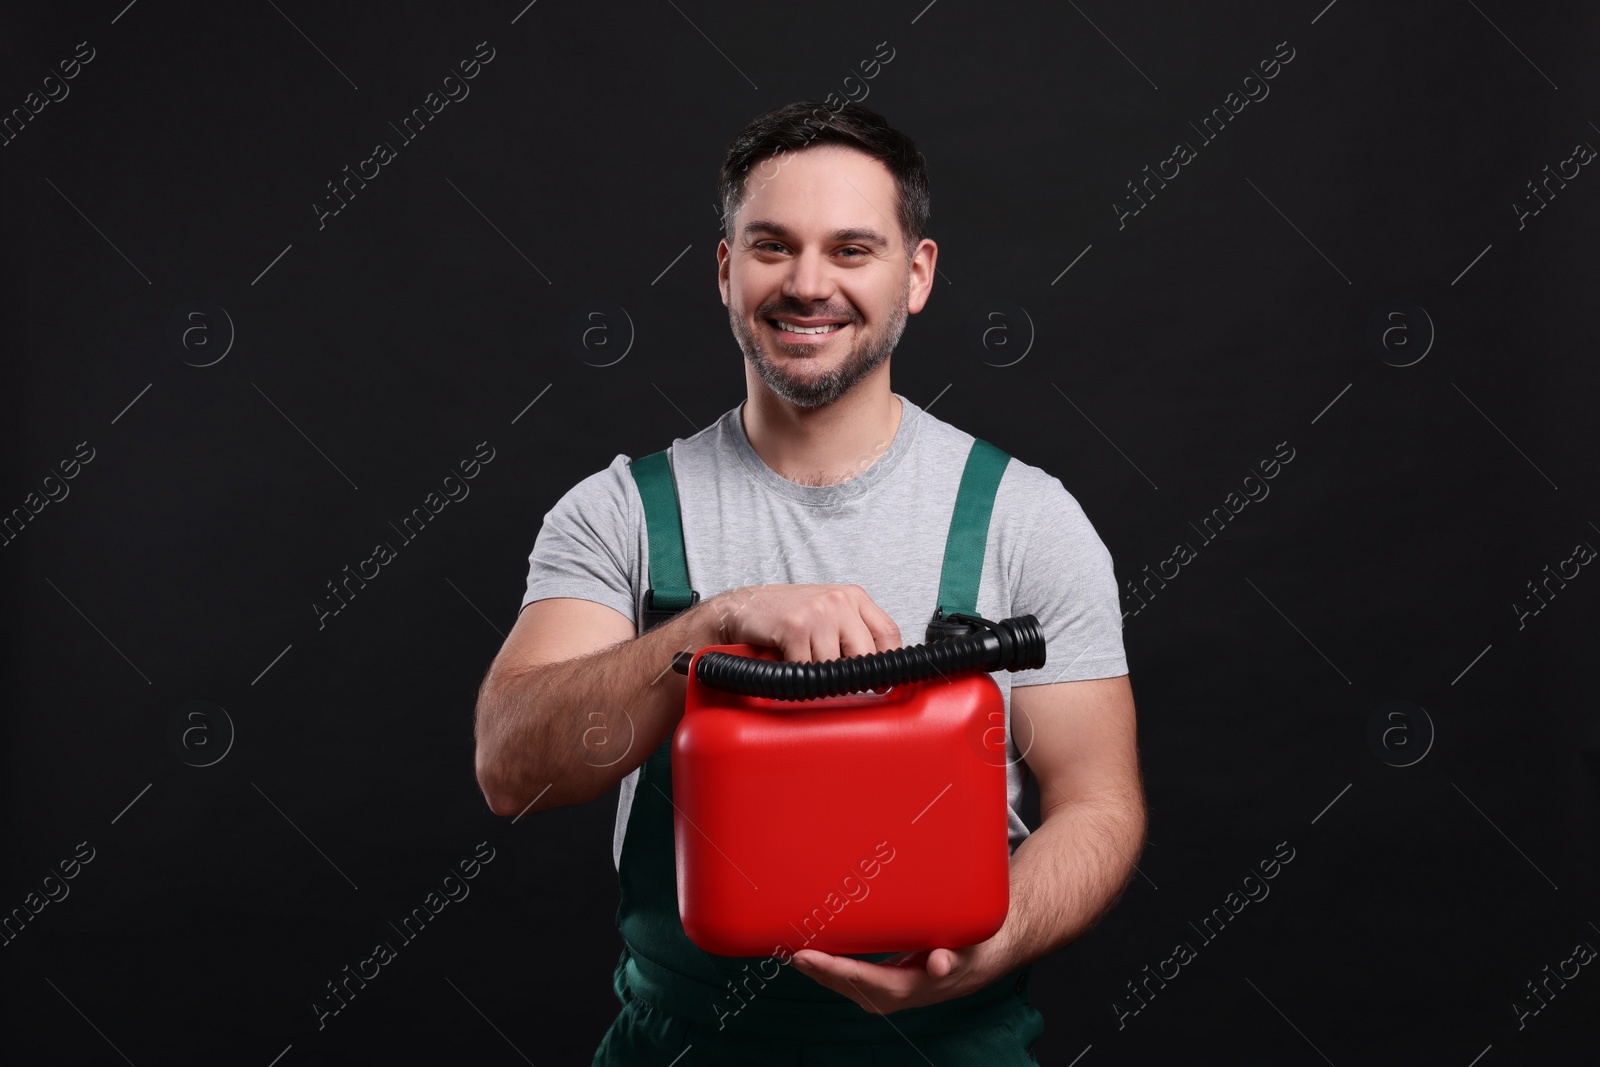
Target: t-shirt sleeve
[(588, 544), (1062, 574)]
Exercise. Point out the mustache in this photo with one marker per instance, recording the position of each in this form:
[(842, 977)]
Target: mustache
[(829, 311)]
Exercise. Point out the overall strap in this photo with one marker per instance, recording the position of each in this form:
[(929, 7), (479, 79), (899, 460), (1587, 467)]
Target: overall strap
[(969, 530), (669, 591)]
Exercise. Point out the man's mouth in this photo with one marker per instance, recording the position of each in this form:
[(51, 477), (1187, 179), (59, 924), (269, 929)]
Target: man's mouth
[(796, 330)]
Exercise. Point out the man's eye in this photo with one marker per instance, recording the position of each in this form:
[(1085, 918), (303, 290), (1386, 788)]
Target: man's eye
[(770, 246), (859, 252)]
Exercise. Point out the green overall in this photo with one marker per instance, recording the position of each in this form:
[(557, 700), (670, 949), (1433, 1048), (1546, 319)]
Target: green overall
[(727, 1010)]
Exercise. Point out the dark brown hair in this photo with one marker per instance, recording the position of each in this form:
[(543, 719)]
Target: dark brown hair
[(807, 123)]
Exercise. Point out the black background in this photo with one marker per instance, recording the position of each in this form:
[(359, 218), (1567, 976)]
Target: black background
[(371, 355)]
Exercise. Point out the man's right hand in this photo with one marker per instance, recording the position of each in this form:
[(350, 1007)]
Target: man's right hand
[(806, 623)]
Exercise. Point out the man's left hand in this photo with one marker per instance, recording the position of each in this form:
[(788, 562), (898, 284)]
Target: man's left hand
[(909, 980)]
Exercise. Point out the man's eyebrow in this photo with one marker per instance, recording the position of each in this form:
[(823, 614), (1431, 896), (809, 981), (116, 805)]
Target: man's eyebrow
[(859, 235)]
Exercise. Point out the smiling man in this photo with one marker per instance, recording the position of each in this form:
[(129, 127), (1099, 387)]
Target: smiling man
[(814, 519), (800, 311)]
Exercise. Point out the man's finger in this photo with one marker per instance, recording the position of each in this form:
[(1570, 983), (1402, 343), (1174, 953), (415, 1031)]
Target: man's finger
[(906, 959)]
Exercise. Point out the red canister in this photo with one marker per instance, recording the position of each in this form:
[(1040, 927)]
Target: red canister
[(848, 824)]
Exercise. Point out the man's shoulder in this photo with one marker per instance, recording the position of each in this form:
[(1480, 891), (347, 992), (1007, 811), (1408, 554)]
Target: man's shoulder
[(615, 485), (1023, 483), (714, 442), (618, 474), (1028, 494), (610, 487)]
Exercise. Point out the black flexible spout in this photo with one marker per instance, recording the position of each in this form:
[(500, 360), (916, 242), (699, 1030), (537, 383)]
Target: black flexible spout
[(1015, 644)]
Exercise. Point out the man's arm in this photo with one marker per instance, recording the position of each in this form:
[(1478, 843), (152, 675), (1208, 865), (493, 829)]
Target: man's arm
[(1064, 876), (574, 701), (1070, 871)]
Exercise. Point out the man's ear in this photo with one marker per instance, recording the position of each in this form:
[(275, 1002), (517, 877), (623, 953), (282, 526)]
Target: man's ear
[(723, 283), (921, 269)]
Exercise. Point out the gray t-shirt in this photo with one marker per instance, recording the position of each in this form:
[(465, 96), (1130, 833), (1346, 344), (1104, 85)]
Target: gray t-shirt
[(883, 529)]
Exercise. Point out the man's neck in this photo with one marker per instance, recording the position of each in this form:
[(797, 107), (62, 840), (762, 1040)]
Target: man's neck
[(826, 445)]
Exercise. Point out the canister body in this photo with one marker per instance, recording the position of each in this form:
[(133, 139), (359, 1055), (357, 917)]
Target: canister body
[(851, 824)]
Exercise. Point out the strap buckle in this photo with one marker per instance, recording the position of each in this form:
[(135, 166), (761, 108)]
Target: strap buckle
[(654, 616), (955, 624)]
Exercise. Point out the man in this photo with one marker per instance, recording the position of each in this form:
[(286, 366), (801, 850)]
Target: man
[(816, 512)]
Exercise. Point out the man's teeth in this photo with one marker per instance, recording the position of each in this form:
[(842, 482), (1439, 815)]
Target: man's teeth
[(808, 329)]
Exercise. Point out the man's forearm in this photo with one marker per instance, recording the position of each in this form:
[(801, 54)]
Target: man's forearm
[(565, 732), (1066, 875)]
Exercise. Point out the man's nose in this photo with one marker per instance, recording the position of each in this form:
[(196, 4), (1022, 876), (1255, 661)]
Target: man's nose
[(809, 280)]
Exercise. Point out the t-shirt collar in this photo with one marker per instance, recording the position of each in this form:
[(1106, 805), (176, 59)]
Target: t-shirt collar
[(823, 495)]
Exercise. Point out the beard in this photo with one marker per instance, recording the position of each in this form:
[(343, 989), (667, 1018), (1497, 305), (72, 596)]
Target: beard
[(866, 354)]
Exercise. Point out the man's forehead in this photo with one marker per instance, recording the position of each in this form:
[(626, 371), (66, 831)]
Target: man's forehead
[(827, 191)]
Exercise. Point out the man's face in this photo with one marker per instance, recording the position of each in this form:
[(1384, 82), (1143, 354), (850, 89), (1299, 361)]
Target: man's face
[(816, 248)]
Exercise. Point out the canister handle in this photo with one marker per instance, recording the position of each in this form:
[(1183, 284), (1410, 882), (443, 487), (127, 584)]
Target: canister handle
[(1014, 644)]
